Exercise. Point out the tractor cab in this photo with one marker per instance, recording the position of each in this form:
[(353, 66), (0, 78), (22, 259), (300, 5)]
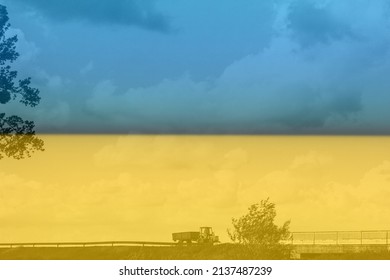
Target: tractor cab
[(207, 235)]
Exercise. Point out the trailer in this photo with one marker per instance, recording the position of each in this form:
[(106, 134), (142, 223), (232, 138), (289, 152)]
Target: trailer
[(188, 236)]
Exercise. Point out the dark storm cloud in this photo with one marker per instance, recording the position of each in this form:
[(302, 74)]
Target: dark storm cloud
[(313, 111), (123, 12), (321, 67), (311, 24)]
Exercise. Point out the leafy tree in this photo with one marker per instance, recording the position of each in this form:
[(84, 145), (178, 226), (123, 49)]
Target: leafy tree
[(258, 232), (17, 136)]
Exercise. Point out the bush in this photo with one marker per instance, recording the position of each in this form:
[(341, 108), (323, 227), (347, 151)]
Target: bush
[(259, 234)]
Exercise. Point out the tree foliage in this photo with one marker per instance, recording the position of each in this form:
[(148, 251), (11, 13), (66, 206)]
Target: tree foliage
[(258, 226), (17, 136), (257, 230)]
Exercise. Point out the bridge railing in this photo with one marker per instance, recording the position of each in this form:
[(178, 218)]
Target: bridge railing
[(380, 237)]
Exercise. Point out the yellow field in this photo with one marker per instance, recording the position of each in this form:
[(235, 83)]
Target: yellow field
[(96, 188)]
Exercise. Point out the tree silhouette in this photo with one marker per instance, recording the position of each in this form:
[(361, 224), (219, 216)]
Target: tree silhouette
[(17, 136), (259, 233)]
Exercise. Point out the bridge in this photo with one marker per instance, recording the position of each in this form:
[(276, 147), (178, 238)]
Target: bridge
[(339, 242)]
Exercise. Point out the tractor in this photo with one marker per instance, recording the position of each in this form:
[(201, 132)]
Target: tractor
[(205, 236)]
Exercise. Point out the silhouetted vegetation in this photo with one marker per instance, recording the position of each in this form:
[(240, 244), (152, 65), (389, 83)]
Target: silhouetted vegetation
[(258, 234), (17, 136), (216, 252)]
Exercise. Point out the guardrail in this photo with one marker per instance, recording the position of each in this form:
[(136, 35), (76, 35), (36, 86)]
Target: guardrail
[(374, 237), (379, 237), (86, 244)]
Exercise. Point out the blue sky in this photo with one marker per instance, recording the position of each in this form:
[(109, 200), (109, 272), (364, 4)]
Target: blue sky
[(205, 67)]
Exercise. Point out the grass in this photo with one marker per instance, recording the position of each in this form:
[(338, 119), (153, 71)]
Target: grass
[(218, 252)]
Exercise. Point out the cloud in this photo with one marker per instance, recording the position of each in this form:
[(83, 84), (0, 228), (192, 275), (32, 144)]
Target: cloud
[(54, 111), (278, 90), (320, 74), (27, 50), (172, 106), (310, 23), (119, 203), (164, 152), (15, 204), (139, 183), (324, 71), (87, 68), (304, 179), (305, 193), (139, 13)]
